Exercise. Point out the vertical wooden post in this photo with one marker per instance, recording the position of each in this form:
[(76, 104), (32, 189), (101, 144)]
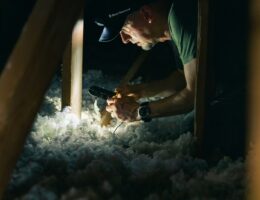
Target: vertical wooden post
[(202, 72), (254, 103), (28, 74), (72, 71)]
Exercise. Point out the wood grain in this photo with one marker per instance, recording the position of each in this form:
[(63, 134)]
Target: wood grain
[(72, 71), (202, 72), (28, 73), (254, 104)]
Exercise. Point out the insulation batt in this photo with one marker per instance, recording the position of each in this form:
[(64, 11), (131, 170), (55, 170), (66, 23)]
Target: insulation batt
[(65, 158)]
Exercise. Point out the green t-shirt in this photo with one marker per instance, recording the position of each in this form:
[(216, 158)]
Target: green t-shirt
[(182, 22)]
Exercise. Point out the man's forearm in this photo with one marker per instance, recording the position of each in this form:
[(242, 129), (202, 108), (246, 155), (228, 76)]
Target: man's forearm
[(155, 88), (179, 103), (163, 88)]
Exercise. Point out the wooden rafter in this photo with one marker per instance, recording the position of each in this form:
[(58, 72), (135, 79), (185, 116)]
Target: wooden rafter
[(202, 72), (254, 103), (28, 73)]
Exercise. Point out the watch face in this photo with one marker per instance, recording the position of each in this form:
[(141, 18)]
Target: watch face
[(144, 112)]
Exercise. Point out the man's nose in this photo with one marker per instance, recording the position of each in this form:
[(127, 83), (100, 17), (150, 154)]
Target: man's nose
[(125, 37)]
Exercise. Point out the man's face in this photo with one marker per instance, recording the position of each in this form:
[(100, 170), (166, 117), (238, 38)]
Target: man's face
[(137, 31)]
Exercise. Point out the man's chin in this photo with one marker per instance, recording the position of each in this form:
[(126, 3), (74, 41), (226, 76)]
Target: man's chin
[(147, 47)]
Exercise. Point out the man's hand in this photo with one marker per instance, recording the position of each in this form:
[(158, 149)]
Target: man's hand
[(123, 108), (134, 91)]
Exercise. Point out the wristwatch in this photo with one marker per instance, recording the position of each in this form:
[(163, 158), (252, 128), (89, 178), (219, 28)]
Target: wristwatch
[(144, 112)]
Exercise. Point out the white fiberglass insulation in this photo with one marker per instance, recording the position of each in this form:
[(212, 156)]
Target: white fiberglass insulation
[(68, 159)]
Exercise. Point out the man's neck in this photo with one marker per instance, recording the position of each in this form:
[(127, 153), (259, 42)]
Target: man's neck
[(164, 33), (167, 35)]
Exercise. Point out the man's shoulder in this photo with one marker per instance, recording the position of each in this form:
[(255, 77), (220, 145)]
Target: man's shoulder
[(182, 20), (183, 9)]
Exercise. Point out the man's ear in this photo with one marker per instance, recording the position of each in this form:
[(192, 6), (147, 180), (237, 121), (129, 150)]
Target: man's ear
[(146, 12)]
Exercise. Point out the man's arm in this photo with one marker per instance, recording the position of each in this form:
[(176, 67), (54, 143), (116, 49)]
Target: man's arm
[(163, 88), (180, 102), (125, 108)]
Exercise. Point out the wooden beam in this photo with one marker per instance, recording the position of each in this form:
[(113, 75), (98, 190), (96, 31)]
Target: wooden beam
[(72, 71), (202, 72), (254, 104), (106, 116), (28, 74), (66, 77)]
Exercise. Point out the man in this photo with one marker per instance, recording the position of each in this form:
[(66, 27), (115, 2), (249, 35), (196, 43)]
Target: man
[(146, 23)]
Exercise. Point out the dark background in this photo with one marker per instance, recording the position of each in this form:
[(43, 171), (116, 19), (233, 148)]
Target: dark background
[(228, 41), (112, 58), (228, 47)]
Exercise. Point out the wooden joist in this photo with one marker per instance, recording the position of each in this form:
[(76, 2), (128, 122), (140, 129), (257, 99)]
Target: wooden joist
[(72, 71), (202, 72), (254, 104), (28, 73)]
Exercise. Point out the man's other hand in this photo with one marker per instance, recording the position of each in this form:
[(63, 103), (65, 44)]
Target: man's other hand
[(123, 107)]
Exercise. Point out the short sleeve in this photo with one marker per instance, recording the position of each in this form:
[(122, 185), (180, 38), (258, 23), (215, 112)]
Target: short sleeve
[(183, 28)]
